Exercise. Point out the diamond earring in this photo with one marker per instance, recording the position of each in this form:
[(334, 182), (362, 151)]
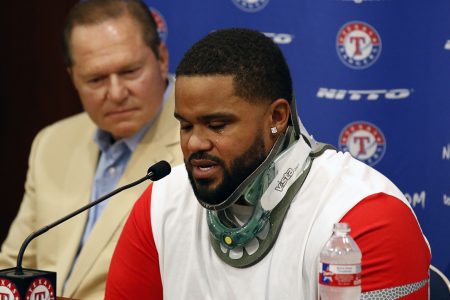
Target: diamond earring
[(273, 130)]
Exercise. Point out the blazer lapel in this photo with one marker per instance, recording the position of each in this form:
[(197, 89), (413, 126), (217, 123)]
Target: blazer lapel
[(161, 142), (77, 189)]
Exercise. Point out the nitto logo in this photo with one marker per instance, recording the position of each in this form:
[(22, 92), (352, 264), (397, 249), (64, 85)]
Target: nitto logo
[(446, 200), (280, 38), (356, 95), (446, 152), (416, 199), (284, 180)]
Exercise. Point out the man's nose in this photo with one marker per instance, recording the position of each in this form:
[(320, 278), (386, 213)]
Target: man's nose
[(117, 90), (199, 141)]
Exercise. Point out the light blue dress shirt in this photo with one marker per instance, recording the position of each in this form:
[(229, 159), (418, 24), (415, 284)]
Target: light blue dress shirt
[(113, 160), (114, 157)]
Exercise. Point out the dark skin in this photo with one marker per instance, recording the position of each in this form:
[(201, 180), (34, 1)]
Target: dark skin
[(223, 126)]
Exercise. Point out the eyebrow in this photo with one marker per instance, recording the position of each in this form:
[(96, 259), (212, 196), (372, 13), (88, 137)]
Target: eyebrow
[(95, 72), (207, 118)]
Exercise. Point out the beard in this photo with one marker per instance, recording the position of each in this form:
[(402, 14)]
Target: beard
[(240, 168)]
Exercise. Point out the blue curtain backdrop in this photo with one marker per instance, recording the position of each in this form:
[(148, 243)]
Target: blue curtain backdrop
[(371, 77)]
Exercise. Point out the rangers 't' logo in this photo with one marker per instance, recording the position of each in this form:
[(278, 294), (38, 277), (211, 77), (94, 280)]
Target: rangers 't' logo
[(364, 141), (160, 23), (8, 290), (358, 45), (251, 5), (41, 289)]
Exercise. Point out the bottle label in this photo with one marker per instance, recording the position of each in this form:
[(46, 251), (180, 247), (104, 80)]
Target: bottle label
[(340, 275)]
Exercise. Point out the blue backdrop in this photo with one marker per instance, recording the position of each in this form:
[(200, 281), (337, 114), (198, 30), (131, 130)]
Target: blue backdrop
[(371, 77)]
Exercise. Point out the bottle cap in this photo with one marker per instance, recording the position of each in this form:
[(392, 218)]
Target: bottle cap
[(341, 227)]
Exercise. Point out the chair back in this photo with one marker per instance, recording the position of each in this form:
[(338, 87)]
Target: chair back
[(439, 285)]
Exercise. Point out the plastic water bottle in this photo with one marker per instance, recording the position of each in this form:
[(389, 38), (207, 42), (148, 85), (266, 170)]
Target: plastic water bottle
[(340, 266)]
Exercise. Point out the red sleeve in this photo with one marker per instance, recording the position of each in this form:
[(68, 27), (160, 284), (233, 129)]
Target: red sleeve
[(134, 270), (394, 251)]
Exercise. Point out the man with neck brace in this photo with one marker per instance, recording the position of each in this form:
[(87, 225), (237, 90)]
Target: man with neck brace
[(268, 193)]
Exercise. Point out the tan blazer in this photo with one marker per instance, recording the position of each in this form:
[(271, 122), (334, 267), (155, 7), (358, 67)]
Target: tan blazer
[(59, 180)]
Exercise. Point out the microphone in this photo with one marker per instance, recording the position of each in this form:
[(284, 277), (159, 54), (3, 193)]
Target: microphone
[(37, 284), (159, 170)]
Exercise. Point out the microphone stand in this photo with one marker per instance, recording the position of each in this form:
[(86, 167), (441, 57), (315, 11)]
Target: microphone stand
[(19, 269), (20, 283)]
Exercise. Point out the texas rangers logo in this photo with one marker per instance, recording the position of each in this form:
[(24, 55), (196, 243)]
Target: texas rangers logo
[(160, 23), (358, 45), (251, 5), (40, 289), (8, 290), (364, 141)]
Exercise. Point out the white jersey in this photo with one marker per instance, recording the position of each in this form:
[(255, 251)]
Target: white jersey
[(190, 269)]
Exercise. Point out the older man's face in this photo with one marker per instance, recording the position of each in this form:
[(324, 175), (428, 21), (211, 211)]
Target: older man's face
[(119, 79)]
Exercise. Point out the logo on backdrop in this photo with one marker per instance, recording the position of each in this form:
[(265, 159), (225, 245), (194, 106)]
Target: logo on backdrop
[(160, 23), (280, 38), (361, 1), (364, 141), (446, 152), (40, 289), (8, 290), (416, 199), (447, 45), (250, 5), (358, 45), (446, 200), (364, 95)]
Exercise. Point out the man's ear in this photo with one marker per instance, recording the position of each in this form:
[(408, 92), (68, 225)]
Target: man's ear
[(280, 112), (69, 71), (163, 60)]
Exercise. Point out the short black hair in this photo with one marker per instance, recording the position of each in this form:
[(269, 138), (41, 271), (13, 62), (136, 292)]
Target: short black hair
[(91, 12), (256, 63)]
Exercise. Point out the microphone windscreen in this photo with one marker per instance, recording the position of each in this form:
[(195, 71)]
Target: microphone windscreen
[(159, 170)]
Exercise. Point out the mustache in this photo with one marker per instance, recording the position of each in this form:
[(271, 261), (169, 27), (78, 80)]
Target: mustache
[(204, 155)]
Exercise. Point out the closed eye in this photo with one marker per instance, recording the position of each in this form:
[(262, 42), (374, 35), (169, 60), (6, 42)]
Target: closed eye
[(96, 79), (185, 126), (217, 126), (130, 72)]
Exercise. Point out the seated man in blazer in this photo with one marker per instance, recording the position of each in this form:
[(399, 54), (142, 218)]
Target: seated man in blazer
[(119, 67)]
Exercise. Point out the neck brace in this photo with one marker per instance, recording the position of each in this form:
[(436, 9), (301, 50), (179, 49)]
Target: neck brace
[(270, 192)]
